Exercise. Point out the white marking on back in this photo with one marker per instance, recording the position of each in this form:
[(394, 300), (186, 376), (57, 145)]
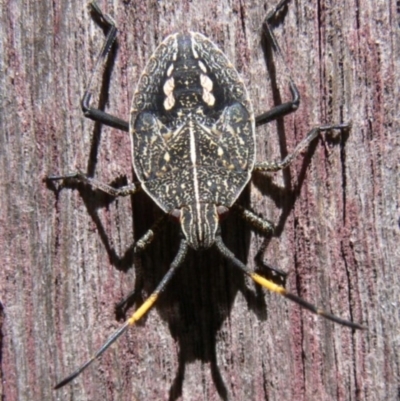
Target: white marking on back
[(169, 86), (170, 69), (202, 66), (169, 102), (168, 89), (207, 85), (193, 159), (208, 98)]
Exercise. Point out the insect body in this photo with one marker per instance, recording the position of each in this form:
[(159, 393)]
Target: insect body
[(193, 134), (192, 130)]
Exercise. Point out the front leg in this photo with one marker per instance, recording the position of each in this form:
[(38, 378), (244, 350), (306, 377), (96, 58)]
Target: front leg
[(292, 105), (89, 111)]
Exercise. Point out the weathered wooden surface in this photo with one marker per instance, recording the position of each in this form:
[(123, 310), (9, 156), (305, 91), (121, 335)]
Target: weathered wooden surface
[(214, 335)]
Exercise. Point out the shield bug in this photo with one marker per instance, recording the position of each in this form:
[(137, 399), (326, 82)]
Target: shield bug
[(192, 130)]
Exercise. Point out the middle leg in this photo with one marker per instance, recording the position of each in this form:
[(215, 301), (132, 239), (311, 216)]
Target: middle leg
[(305, 143)]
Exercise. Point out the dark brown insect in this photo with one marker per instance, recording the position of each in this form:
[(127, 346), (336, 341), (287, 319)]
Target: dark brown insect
[(192, 129)]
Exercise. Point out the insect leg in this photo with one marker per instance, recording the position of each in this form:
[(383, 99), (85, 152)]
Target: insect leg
[(148, 236), (91, 112), (279, 165), (271, 286), (81, 177), (291, 106), (140, 245), (264, 226), (252, 219), (136, 316)]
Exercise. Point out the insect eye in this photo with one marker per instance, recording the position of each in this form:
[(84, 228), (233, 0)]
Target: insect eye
[(175, 215), (222, 212)]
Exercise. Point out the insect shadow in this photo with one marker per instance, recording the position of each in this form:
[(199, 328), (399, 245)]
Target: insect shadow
[(200, 296)]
